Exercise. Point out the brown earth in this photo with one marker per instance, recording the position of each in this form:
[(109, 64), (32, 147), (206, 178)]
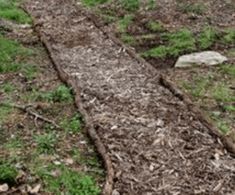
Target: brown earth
[(156, 145)]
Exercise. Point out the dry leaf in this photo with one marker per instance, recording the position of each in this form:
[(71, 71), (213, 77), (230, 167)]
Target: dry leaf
[(36, 189)]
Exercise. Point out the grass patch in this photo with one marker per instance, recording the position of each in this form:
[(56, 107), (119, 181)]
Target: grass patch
[(92, 3), (61, 94), (12, 55), (7, 173), (207, 38), (124, 23), (68, 181), (155, 26), (72, 125), (195, 8), (5, 111), (229, 37), (128, 39), (198, 87), (130, 5), (223, 126), (46, 143), (222, 93), (176, 43), (228, 69), (7, 88), (10, 11)]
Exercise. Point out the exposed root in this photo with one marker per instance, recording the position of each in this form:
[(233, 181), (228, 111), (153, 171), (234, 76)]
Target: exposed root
[(198, 113), (108, 187), (28, 109)]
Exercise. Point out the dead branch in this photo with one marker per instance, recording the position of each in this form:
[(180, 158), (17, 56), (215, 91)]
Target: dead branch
[(28, 109)]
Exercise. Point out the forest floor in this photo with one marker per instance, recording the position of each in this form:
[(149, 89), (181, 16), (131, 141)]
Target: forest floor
[(152, 143)]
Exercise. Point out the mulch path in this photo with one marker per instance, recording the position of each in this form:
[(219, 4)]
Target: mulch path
[(150, 141)]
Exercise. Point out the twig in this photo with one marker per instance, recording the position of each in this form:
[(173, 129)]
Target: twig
[(27, 109)]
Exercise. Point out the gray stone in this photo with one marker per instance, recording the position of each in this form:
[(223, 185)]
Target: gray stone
[(207, 58)]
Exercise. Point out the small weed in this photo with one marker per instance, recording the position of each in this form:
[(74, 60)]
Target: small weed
[(130, 5), (29, 71), (91, 3), (124, 23), (158, 52), (9, 10), (229, 37), (151, 4), (207, 38), (128, 39), (4, 113), (229, 108), (199, 86), (228, 69), (61, 94), (222, 93), (196, 8), (7, 173), (69, 181), (224, 128), (155, 26), (46, 143), (7, 88), (14, 143), (73, 125)]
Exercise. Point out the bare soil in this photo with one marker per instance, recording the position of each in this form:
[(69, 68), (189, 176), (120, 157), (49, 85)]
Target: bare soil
[(156, 145)]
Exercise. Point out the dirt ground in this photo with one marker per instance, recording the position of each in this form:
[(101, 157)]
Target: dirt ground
[(36, 153), (155, 144)]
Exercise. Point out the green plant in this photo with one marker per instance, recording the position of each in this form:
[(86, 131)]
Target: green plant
[(128, 39), (151, 4), (69, 181), (180, 42), (9, 10), (61, 94), (7, 87), (124, 23), (46, 142), (72, 125), (92, 3), (229, 108), (207, 38), (12, 55), (223, 126), (198, 86), (222, 93), (7, 173), (155, 26), (228, 69), (130, 5), (196, 8), (176, 43), (4, 113), (229, 37), (14, 143), (158, 52)]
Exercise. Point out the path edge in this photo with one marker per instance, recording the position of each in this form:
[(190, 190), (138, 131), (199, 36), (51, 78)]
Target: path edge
[(89, 126), (168, 84)]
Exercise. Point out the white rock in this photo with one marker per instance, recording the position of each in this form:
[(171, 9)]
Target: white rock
[(4, 188), (207, 58)]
